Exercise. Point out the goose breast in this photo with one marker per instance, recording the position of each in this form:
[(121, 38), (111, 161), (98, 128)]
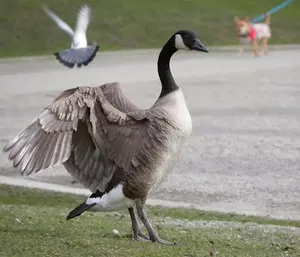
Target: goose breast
[(178, 114)]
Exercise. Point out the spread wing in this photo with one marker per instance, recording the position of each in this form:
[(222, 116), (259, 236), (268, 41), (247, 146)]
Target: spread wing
[(83, 19), (91, 137), (60, 23), (117, 98)]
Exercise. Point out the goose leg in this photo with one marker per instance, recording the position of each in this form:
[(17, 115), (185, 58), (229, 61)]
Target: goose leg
[(137, 234), (152, 233)]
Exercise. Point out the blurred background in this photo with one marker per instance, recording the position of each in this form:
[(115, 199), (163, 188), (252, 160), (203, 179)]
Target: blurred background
[(118, 24)]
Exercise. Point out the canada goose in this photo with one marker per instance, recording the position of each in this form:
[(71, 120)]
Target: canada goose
[(108, 144), (79, 53)]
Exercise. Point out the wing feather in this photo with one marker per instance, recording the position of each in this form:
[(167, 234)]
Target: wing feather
[(114, 94), (94, 132), (83, 19), (59, 22)]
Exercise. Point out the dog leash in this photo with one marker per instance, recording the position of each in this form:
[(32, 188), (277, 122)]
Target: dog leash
[(271, 11)]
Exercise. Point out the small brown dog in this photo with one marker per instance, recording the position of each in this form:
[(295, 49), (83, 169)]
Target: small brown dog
[(254, 34)]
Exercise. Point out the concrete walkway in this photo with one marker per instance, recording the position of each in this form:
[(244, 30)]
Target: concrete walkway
[(243, 155)]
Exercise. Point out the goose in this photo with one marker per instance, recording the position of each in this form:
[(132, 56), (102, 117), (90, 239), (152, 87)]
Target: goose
[(80, 52), (113, 148)]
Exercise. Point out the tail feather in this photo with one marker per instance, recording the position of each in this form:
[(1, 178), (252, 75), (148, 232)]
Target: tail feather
[(79, 210), (79, 56), (89, 203)]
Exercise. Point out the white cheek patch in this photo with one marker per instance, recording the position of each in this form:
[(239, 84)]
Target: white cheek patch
[(179, 44)]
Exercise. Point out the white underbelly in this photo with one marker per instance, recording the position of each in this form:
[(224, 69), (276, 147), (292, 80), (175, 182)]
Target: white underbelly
[(114, 200)]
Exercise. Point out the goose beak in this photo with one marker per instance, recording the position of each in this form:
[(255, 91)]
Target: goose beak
[(79, 210), (198, 46)]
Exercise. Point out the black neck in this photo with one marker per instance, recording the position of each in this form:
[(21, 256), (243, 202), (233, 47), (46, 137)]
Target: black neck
[(163, 65)]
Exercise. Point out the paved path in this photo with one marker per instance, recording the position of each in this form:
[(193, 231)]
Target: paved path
[(243, 155)]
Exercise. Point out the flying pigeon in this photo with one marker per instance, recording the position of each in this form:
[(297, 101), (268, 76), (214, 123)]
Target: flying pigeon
[(80, 52)]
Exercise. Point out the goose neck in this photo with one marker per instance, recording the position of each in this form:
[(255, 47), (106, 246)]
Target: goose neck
[(165, 74)]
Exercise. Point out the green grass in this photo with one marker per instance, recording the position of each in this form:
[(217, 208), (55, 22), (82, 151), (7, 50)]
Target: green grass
[(118, 24), (32, 223)]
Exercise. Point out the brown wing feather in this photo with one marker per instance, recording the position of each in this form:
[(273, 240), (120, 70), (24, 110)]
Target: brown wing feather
[(93, 131), (87, 163), (114, 94)]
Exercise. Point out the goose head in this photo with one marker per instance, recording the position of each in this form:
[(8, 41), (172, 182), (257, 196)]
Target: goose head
[(188, 40)]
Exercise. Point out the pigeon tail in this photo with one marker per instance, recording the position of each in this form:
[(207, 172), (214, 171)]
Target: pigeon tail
[(79, 56)]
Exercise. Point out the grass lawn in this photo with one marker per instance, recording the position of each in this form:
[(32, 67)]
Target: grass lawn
[(32, 223), (118, 24)]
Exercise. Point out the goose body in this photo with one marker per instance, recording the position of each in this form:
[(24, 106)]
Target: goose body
[(109, 145), (80, 52), (175, 106), (146, 176)]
